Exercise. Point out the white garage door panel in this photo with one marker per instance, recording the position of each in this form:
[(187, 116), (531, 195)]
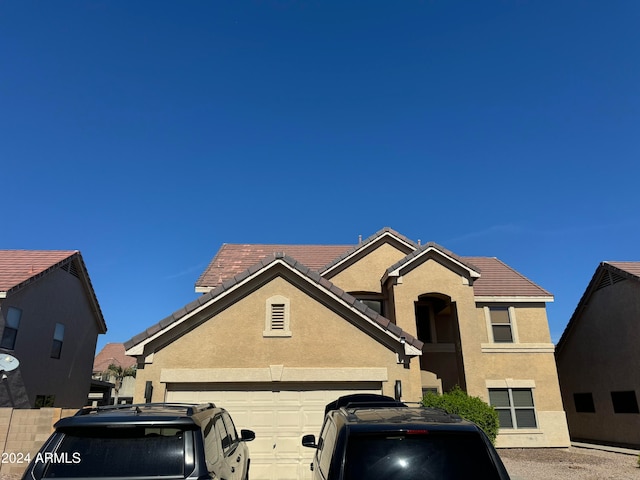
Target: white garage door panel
[(279, 419)]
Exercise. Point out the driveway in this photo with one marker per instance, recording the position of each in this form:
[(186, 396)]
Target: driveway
[(571, 463)]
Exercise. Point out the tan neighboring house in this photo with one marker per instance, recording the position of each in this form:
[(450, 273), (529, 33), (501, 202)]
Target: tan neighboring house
[(50, 320), (103, 391), (281, 330), (598, 358)]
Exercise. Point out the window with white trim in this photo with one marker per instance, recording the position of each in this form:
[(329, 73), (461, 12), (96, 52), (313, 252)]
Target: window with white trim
[(501, 324), (277, 317), (514, 406)]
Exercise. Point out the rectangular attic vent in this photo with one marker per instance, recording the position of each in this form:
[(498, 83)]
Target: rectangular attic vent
[(277, 316)]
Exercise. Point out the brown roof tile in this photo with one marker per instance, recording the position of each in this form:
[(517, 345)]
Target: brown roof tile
[(112, 353), (632, 268), (499, 279), (18, 266), (233, 259)]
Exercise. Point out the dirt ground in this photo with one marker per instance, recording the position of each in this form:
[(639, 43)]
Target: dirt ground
[(569, 464)]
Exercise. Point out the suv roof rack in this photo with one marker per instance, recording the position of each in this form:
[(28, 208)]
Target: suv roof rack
[(137, 408)]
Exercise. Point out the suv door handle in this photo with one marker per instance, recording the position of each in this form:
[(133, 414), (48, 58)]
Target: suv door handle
[(239, 458)]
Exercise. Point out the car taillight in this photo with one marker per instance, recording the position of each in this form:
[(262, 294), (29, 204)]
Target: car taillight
[(417, 432)]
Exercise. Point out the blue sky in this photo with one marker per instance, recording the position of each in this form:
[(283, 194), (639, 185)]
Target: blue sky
[(145, 134)]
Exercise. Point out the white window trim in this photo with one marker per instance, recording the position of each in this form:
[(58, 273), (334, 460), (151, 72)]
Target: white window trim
[(268, 330), (512, 320), (510, 384)]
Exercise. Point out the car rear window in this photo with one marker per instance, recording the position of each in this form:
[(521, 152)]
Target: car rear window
[(118, 452), (422, 456)]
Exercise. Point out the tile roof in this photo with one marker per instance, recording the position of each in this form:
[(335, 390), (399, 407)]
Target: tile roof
[(112, 353), (496, 278), (19, 266), (233, 259), (632, 268), (499, 279), (311, 274)]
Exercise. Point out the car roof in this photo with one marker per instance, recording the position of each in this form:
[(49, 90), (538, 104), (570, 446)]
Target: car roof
[(167, 414), (401, 418)]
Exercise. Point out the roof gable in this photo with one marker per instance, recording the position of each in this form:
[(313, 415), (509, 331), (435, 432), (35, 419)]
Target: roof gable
[(386, 235), (607, 273), (413, 346), (18, 268), (431, 250)]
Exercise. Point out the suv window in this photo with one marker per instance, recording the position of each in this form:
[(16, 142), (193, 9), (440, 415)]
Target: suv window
[(406, 456), (327, 442), (119, 452), (231, 429), (212, 445)]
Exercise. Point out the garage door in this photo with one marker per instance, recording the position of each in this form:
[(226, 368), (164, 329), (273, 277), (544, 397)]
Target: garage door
[(278, 417)]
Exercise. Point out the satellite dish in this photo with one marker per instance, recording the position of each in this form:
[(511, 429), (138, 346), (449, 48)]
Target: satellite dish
[(8, 362)]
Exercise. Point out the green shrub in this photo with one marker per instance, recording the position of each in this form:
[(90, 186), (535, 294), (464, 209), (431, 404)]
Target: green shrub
[(470, 408)]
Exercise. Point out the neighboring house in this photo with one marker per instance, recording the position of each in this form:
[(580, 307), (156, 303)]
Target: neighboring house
[(104, 382), (50, 321), (598, 358), (282, 330)]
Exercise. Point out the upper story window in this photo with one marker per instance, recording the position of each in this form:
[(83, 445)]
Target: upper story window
[(501, 320), (277, 318), (58, 338), (372, 300), (11, 325)]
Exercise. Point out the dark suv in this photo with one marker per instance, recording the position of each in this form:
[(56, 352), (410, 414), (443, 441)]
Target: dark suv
[(159, 440), (389, 440)]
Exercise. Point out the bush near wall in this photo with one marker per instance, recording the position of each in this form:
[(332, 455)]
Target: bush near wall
[(470, 408)]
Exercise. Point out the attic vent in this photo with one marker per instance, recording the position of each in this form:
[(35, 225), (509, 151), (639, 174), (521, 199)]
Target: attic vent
[(71, 268), (277, 316), (609, 278)]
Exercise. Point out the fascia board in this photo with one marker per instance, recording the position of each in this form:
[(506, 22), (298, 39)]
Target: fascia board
[(365, 246), (139, 348), (472, 273), (513, 299)]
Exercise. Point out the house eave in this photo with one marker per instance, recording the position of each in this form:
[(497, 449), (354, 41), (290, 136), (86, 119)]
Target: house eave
[(363, 246), (397, 272), (513, 299), (138, 349)]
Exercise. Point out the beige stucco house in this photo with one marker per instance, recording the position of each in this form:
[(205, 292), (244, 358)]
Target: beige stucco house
[(50, 321), (598, 358), (281, 330)]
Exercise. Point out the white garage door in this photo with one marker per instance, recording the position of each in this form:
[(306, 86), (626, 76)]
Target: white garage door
[(279, 419)]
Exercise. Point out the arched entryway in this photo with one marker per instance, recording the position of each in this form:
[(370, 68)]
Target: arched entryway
[(437, 326)]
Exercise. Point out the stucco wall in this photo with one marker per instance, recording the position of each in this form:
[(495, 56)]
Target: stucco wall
[(597, 358), (58, 297), (365, 275), (320, 338)]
